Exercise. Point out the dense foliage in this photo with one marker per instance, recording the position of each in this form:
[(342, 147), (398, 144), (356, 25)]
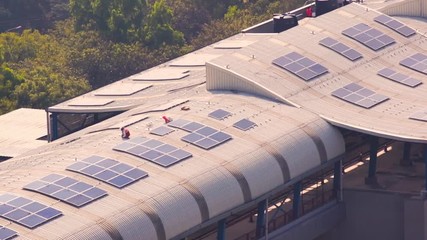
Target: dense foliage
[(71, 47)]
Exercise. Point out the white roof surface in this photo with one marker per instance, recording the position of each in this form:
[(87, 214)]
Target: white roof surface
[(287, 141), (20, 130), (253, 71)]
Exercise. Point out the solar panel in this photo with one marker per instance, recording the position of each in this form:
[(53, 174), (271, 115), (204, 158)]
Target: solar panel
[(6, 233), (417, 62), (244, 124), (399, 77), (207, 141), (204, 136), (301, 66), (421, 115), (192, 126), (26, 212), (359, 95), (328, 42), (161, 131), (66, 189), (108, 170), (178, 123), (219, 114), (395, 25), (154, 151), (370, 37)]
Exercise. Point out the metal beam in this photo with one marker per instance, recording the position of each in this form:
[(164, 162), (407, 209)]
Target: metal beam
[(425, 167), (406, 160), (54, 125), (260, 221), (221, 230), (371, 179), (296, 200), (338, 179)]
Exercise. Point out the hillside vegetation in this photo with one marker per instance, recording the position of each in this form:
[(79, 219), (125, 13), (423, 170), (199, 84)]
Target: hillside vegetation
[(53, 50)]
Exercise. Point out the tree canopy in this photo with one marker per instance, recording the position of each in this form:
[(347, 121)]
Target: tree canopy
[(102, 41)]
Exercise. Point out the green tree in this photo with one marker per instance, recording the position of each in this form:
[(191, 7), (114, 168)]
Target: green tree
[(43, 86), (119, 20), (188, 17), (34, 71), (158, 29), (9, 80)]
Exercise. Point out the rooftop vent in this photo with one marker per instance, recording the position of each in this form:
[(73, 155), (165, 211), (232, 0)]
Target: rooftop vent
[(284, 22)]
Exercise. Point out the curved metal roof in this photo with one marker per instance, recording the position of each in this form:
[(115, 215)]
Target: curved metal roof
[(251, 70), (285, 143)]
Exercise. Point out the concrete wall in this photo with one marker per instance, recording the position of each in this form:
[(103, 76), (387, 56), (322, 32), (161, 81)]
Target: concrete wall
[(373, 215), (313, 224)]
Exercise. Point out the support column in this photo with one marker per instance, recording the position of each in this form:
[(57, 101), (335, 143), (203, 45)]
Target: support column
[(221, 230), (297, 200), (425, 167), (260, 221), (338, 179), (372, 178), (424, 191), (54, 125), (406, 160)]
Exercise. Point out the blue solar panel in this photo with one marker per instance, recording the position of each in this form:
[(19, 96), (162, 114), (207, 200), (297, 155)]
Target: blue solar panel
[(207, 142), (219, 114), (328, 42), (161, 131), (301, 66), (420, 115), (65, 189), (370, 37), (153, 150), (417, 62), (395, 25), (179, 123), (192, 126), (6, 233), (399, 77), (244, 124), (359, 95), (109, 171), (29, 213)]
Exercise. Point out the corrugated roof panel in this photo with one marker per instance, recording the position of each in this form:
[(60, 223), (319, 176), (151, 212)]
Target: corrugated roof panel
[(299, 151), (216, 184), (184, 206), (262, 171), (93, 232), (133, 224)]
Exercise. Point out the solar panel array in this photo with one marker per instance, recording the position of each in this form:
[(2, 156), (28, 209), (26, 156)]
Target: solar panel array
[(395, 25), (340, 48), (359, 95), (244, 124), (417, 62), (201, 135), (108, 170), (161, 131), (26, 212), (421, 115), (219, 114), (399, 77), (153, 150), (370, 37), (6, 233), (300, 66), (66, 189)]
